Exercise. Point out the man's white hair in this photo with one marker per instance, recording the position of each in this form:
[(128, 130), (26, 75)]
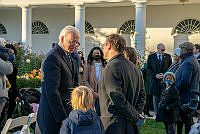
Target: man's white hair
[(2, 41), (68, 29)]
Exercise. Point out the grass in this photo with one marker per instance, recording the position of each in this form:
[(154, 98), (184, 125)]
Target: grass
[(152, 127)]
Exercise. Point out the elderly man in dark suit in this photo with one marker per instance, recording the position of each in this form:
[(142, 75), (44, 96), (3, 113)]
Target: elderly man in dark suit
[(157, 65), (59, 76), (121, 90)]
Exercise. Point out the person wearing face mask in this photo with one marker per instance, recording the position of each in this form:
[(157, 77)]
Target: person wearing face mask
[(93, 69), (170, 101), (187, 80)]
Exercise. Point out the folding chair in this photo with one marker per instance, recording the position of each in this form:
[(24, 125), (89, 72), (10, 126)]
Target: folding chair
[(24, 121)]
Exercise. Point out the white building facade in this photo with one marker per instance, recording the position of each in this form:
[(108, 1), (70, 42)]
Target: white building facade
[(144, 24)]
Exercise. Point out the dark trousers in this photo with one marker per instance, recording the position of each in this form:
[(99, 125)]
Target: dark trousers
[(12, 104), (170, 127), (180, 127), (4, 116), (187, 119), (148, 104)]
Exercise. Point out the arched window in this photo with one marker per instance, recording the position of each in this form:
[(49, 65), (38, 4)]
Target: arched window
[(88, 28), (188, 26), (127, 28), (39, 27), (2, 29)]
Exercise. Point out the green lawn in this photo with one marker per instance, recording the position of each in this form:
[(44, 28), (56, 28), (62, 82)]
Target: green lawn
[(152, 127)]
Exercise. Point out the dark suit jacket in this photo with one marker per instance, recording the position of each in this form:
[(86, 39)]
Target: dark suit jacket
[(154, 67), (121, 95), (58, 77)]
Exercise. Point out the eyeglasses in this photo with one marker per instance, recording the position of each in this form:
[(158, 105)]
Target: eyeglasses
[(74, 42), (163, 50), (102, 45)]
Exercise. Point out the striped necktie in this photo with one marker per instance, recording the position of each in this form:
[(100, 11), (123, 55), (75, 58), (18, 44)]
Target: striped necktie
[(159, 58)]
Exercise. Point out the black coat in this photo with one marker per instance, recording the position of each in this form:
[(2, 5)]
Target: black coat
[(12, 79), (58, 79), (171, 99), (187, 77), (13, 91), (121, 96), (154, 67)]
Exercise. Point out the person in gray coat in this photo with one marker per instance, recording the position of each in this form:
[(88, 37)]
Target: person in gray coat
[(121, 90), (6, 67)]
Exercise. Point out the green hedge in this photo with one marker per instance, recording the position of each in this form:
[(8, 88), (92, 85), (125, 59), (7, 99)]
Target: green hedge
[(31, 83)]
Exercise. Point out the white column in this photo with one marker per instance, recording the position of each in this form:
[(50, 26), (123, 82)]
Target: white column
[(140, 26), (80, 24), (27, 26)]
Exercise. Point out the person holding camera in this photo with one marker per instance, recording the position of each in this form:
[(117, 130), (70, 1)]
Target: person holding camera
[(187, 80), (170, 101), (5, 52)]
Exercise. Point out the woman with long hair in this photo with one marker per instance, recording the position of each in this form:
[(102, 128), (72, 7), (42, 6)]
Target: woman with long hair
[(131, 54), (93, 69)]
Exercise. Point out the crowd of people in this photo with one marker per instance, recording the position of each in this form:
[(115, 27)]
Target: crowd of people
[(108, 93)]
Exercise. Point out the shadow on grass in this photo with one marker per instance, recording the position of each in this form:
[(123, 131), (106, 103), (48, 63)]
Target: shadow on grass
[(152, 127)]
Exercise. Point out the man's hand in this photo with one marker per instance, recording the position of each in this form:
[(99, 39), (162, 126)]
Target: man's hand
[(141, 116), (159, 76)]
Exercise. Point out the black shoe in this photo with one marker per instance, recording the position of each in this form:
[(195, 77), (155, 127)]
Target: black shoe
[(148, 114)]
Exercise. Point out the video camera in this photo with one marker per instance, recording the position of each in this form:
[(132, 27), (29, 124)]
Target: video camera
[(191, 107)]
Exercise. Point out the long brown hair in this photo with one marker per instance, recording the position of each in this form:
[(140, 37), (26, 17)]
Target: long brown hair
[(132, 55)]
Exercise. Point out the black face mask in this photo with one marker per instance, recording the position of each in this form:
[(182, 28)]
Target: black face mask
[(96, 57)]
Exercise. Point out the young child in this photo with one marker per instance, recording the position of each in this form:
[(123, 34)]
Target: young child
[(170, 101), (82, 119), (4, 52)]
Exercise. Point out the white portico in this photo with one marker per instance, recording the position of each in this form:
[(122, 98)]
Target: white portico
[(79, 8), (144, 23)]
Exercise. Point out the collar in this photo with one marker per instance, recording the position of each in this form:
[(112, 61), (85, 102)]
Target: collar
[(116, 56), (63, 49), (158, 54), (186, 55), (197, 55)]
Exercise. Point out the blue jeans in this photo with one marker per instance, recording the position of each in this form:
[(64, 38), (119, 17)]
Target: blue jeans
[(155, 103)]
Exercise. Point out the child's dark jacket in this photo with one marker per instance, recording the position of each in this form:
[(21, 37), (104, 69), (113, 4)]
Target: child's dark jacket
[(170, 102), (80, 122)]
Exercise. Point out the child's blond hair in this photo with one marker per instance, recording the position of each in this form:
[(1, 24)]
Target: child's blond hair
[(82, 98)]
